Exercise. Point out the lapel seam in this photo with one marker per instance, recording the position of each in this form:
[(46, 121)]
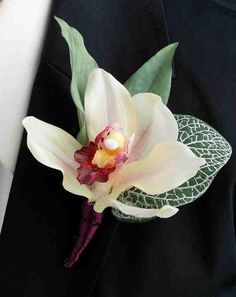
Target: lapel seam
[(156, 28), (56, 68), (226, 5)]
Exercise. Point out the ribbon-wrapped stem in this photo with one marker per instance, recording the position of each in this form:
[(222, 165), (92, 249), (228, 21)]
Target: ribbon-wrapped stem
[(89, 224)]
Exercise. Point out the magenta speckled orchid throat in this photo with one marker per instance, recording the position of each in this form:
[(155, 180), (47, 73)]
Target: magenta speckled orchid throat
[(102, 157)]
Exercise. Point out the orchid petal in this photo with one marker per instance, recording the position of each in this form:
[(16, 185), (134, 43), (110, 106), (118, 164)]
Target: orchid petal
[(166, 211), (156, 124), (108, 102), (103, 193), (55, 148), (168, 166)]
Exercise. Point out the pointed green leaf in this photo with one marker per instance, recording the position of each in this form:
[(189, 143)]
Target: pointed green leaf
[(155, 75), (81, 62), (205, 142), (82, 136)]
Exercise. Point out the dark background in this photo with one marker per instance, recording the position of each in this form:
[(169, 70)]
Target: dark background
[(192, 254)]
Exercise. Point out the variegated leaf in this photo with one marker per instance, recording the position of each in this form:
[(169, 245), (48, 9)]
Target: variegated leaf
[(205, 142)]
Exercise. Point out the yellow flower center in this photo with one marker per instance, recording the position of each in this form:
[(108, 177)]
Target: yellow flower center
[(114, 143)]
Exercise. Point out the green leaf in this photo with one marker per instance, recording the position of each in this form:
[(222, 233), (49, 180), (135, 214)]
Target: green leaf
[(81, 62), (155, 75), (82, 136), (205, 142)]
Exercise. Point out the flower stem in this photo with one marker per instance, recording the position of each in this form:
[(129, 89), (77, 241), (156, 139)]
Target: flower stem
[(89, 223)]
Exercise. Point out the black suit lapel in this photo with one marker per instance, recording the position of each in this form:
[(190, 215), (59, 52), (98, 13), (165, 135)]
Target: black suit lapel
[(42, 218)]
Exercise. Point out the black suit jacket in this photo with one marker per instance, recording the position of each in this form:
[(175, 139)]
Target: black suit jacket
[(192, 254)]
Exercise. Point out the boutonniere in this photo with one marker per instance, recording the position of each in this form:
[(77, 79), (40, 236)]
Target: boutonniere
[(132, 154)]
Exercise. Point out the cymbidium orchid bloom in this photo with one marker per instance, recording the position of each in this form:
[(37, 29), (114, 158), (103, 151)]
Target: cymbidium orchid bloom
[(132, 142)]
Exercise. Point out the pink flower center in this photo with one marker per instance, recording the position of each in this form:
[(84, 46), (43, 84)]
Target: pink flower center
[(100, 158)]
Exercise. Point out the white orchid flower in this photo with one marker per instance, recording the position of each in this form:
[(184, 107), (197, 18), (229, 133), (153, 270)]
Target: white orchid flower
[(132, 142)]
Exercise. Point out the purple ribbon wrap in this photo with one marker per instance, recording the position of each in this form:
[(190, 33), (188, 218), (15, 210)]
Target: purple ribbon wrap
[(89, 223)]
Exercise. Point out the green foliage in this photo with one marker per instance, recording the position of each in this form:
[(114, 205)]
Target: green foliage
[(82, 64), (205, 142), (155, 75)]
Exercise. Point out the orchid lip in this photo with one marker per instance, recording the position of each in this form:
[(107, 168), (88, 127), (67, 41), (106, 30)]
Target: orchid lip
[(100, 158)]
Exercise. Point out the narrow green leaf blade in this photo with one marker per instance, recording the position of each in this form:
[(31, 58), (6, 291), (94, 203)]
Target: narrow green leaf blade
[(82, 136), (155, 75), (81, 62), (205, 142)]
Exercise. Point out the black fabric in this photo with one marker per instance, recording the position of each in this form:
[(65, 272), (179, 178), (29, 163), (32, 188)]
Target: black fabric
[(231, 4), (192, 254)]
